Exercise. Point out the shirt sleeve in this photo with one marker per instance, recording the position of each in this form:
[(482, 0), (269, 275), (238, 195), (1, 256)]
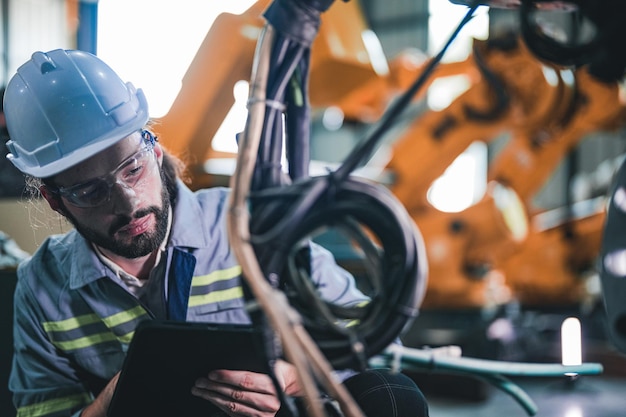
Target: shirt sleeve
[(334, 284), (338, 286), (42, 381)]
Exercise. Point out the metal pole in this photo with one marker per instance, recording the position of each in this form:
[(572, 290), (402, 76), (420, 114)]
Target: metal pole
[(87, 34)]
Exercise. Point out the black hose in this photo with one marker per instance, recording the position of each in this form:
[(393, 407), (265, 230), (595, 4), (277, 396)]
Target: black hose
[(284, 222), (285, 217)]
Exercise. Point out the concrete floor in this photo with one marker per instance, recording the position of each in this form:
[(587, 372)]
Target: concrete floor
[(589, 396), (602, 395)]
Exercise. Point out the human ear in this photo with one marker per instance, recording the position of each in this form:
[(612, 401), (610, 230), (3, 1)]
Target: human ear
[(158, 151)]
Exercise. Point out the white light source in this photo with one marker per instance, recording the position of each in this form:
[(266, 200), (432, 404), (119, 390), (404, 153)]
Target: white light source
[(333, 118), (463, 183), (375, 51), (155, 51), (574, 410), (615, 262), (571, 343), (234, 122)]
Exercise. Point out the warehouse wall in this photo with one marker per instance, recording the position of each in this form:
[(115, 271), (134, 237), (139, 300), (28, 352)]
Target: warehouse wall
[(29, 222)]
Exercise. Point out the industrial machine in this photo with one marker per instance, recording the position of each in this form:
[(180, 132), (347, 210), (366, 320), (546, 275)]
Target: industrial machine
[(474, 256), (468, 251), (545, 111), (339, 52)]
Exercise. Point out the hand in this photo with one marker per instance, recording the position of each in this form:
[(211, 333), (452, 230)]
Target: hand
[(247, 394), (99, 406)]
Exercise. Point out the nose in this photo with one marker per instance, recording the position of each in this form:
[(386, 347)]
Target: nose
[(123, 198)]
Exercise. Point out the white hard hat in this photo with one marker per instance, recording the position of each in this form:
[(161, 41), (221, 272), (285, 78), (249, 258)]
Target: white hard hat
[(63, 107)]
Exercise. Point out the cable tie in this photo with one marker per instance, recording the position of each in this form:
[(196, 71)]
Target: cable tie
[(274, 104), (269, 164)]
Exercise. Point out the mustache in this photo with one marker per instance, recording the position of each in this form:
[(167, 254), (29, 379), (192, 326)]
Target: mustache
[(125, 220)]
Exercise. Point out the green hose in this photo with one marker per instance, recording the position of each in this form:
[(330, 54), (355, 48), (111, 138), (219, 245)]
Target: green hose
[(492, 371)]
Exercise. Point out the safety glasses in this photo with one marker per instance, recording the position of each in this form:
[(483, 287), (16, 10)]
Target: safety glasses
[(132, 172)]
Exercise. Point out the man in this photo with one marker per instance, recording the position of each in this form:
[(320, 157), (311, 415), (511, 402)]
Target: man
[(144, 246)]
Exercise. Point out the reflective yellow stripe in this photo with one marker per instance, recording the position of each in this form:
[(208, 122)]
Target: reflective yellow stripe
[(126, 338), (222, 274), (111, 321), (215, 296), (356, 322), (124, 316), (86, 341), (91, 340), (70, 324), (94, 339), (53, 406)]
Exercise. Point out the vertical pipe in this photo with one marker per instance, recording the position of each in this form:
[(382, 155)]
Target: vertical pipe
[(87, 34)]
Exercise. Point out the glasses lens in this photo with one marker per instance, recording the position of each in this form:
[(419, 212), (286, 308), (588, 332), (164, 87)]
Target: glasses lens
[(97, 191), (90, 194), (135, 169)]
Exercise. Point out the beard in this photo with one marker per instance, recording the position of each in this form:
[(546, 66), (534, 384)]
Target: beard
[(140, 245)]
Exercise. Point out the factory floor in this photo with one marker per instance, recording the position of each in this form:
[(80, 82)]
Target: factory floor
[(588, 396), (597, 395)]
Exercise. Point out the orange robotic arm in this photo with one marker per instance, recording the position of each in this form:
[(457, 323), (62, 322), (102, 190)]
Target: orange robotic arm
[(504, 94), (206, 94), (535, 150), (476, 251), (551, 265), (340, 62)]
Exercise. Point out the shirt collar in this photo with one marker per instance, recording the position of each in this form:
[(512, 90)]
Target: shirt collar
[(188, 229), (183, 230)]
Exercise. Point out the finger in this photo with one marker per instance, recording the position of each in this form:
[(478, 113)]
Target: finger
[(248, 381), (236, 401), (287, 378), (234, 408), (214, 390)]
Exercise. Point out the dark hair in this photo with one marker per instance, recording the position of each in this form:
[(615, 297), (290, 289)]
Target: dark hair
[(172, 169)]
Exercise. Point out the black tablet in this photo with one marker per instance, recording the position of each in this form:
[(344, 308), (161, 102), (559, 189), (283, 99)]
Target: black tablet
[(165, 358)]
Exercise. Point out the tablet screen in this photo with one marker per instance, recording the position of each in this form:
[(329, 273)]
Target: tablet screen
[(165, 358)]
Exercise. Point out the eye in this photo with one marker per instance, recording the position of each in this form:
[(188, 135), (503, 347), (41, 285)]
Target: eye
[(92, 191), (134, 168)]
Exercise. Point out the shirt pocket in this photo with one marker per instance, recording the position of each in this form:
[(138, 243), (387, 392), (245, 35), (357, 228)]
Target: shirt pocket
[(208, 306)]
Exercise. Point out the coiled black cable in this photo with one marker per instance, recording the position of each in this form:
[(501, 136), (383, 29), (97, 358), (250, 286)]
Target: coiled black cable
[(602, 51), (547, 47), (284, 222), (287, 211)]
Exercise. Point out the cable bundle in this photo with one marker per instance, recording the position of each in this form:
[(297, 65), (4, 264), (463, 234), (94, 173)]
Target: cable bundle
[(287, 210), (283, 222), (273, 217)]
